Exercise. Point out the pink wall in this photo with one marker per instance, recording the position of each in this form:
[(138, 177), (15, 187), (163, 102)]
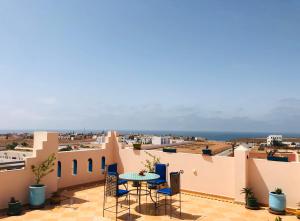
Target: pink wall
[(82, 156), (217, 175), (211, 175), (265, 176), (261, 155), (83, 175), (15, 183)]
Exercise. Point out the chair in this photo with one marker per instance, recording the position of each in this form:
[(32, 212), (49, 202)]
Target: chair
[(111, 189), (169, 192), (161, 170), (112, 169)]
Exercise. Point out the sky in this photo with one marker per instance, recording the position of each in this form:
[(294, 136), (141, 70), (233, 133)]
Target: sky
[(203, 65)]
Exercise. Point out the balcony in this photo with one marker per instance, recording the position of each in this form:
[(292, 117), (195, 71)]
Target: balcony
[(85, 203), (211, 185)]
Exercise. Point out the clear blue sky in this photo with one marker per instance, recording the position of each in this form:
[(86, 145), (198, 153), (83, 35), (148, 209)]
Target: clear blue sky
[(179, 65)]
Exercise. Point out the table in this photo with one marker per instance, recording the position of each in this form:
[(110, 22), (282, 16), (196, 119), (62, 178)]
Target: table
[(135, 177)]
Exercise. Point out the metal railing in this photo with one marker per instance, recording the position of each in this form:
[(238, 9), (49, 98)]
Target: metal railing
[(12, 165)]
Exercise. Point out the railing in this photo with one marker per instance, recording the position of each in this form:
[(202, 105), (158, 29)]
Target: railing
[(12, 165)]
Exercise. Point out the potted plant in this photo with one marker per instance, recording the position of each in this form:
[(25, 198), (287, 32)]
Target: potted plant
[(277, 201), (250, 199), (149, 164), (142, 172), (37, 190), (137, 146), (206, 151), (169, 150), (271, 156), (14, 207)]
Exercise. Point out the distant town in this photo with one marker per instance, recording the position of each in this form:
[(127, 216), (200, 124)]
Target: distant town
[(17, 146)]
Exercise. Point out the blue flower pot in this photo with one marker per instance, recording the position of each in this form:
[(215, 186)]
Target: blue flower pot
[(277, 202), (37, 196)]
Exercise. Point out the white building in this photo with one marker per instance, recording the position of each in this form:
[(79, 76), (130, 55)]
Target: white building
[(100, 139), (12, 155), (161, 140), (176, 141), (272, 138)]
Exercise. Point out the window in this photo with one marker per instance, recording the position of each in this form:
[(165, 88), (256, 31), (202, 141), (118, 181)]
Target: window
[(74, 167), (103, 163), (58, 169), (90, 165)]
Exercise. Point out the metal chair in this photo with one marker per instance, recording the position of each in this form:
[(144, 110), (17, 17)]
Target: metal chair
[(111, 189), (161, 170), (112, 169), (169, 192)]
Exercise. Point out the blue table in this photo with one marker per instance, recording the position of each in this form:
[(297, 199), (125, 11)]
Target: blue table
[(135, 177)]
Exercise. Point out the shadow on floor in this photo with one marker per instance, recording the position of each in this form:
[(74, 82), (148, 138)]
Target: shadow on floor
[(148, 209)]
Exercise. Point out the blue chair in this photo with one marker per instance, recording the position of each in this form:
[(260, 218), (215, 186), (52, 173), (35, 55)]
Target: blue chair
[(111, 189), (161, 170), (169, 192), (112, 169)]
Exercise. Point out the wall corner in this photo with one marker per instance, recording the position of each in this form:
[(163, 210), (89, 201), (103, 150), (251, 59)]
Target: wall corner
[(241, 171)]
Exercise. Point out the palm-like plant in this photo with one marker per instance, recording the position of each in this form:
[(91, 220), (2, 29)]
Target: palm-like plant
[(248, 193), (278, 191), (43, 169)]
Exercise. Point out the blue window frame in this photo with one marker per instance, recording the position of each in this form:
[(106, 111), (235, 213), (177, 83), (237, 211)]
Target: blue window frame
[(74, 167), (102, 164), (90, 165), (58, 169)]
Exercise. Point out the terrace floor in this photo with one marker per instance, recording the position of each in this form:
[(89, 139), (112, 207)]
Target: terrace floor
[(85, 203)]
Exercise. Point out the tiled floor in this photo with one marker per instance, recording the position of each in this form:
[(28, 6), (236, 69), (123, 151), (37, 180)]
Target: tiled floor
[(85, 204)]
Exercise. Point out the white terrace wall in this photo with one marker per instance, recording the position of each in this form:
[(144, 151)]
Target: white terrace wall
[(15, 183), (212, 175)]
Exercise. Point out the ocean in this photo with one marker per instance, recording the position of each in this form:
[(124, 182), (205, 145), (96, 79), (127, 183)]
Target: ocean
[(210, 135)]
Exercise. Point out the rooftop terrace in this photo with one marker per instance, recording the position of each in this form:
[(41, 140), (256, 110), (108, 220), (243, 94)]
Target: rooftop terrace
[(220, 177), (85, 203)]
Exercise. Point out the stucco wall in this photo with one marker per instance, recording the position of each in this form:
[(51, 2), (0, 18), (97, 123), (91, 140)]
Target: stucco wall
[(15, 183), (83, 175), (82, 156), (265, 176), (217, 175), (211, 175)]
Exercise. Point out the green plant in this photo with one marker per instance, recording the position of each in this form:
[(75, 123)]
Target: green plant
[(278, 218), (271, 153), (137, 146), (278, 191), (43, 169), (68, 148), (11, 146), (150, 163), (248, 193)]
